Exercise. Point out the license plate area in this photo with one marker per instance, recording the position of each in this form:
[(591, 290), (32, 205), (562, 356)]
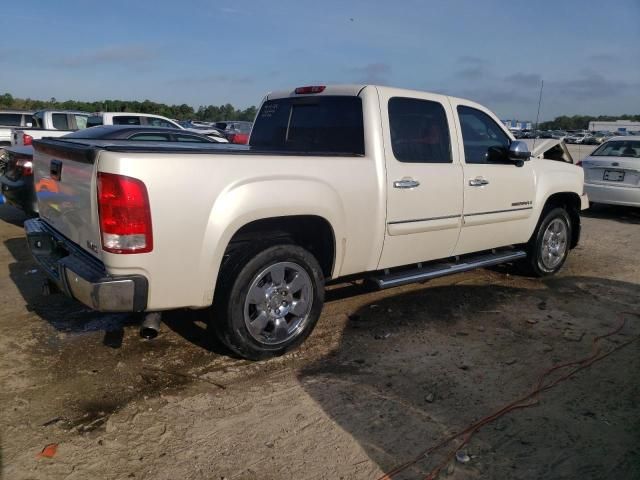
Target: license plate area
[(613, 176)]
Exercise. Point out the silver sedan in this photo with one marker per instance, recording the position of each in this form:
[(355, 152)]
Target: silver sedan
[(612, 172)]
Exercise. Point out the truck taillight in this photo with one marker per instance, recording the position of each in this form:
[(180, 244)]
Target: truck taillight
[(125, 214), (27, 139), (25, 166)]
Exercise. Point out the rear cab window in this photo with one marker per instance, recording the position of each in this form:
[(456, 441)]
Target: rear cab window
[(323, 124), (60, 121), (159, 122), (126, 120), (10, 119)]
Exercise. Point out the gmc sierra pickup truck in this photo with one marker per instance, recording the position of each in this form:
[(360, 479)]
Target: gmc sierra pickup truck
[(339, 182)]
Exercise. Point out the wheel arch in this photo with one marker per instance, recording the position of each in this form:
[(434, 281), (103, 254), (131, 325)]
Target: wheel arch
[(571, 202), (299, 205), (311, 232)]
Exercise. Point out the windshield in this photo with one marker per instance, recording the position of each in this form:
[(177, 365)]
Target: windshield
[(619, 148), (323, 124)]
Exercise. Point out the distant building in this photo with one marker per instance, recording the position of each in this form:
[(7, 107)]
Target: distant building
[(615, 126), (517, 124)]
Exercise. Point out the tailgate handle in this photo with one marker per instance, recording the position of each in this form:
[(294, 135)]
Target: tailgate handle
[(56, 170)]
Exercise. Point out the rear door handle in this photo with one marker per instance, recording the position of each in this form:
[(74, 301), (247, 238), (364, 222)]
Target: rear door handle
[(406, 183), (478, 182)]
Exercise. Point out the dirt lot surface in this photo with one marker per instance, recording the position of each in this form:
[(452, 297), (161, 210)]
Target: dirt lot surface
[(383, 377)]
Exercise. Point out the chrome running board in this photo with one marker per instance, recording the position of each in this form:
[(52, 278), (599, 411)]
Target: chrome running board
[(440, 269)]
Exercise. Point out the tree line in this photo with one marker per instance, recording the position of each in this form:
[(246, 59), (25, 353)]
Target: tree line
[(581, 122), (207, 113)]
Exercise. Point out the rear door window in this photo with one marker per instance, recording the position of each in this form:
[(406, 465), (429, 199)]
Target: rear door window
[(10, 119), (126, 120), (323, 124), (419, 131), (60, 121)]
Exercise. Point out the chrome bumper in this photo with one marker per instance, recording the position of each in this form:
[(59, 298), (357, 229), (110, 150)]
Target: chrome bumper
[(81, 276)]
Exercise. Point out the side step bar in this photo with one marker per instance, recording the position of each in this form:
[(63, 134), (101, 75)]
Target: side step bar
[(441, 269)]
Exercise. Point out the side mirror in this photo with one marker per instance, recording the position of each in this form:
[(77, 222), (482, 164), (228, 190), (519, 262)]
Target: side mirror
[(519, 152)]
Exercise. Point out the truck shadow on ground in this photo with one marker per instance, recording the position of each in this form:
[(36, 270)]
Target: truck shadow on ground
[(616, 213), (413, 368), (64, 314), (67, 315), (12, 215)]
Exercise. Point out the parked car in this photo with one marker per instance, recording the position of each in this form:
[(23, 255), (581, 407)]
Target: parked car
[(393, 186), (558, 135), (50, 123), (16, 182), (141, 134), (235, 131), (577, 137), (205, 129), (612, 172), (144, 119), (11, 119)]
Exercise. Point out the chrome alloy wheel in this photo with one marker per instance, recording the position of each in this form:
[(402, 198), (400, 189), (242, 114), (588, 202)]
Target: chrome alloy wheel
[(554, 244), (278, 303)]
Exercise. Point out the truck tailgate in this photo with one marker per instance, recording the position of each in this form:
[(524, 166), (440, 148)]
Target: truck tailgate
[(65, 183)]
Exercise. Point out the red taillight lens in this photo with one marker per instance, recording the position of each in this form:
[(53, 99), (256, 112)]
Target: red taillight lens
[(240, 138), (27, 139), (26, 166), (125, 215), (579, 164), (310, 89)]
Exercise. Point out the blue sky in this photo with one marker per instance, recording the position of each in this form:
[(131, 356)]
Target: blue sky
[(204, 52)]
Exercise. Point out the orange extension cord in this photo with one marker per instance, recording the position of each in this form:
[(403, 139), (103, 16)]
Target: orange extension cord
[(528, 400)]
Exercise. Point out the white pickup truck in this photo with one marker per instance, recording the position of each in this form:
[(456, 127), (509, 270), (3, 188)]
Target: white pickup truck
[(339, 182), (11, 119), (50, 123)]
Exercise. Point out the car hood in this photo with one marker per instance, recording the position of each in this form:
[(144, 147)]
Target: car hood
[(540, 146)]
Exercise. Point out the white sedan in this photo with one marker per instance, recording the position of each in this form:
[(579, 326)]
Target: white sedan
[(612, 172)]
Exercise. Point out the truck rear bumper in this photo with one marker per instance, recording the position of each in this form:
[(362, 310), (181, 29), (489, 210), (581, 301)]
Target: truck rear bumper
[(20, 193), (82, 277)]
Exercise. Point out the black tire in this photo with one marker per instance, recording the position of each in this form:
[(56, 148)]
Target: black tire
[(236, 277), (534, 263)]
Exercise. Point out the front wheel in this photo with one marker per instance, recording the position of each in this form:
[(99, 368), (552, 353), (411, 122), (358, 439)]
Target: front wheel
[(271, 303), (548, 248)]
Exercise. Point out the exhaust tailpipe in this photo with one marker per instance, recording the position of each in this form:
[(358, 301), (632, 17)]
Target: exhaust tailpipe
[(150, 326)]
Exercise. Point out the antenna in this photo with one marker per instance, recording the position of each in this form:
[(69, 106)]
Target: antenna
[(538, 114)]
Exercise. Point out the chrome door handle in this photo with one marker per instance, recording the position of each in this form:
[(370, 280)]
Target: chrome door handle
[(406, 183), (478, 182)]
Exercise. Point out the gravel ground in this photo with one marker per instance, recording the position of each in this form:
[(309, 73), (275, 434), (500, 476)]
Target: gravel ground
[(384, 376)]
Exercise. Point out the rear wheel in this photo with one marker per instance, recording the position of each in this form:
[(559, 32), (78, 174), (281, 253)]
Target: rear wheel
[(269, 303), (548, 248)]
